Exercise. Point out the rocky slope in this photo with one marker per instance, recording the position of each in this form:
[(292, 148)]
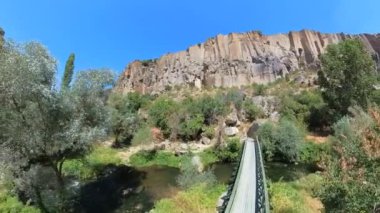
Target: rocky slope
[(235, 60)]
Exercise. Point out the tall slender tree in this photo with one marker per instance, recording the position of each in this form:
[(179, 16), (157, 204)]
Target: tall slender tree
[(69, 70)]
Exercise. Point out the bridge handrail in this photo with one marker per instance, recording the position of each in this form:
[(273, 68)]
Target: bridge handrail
[(260, 159), (235, 186)]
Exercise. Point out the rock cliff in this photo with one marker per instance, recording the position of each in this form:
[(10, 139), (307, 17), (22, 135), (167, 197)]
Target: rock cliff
[(235, 60)]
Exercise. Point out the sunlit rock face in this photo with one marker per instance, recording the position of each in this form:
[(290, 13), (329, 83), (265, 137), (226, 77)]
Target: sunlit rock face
[(235, 60)]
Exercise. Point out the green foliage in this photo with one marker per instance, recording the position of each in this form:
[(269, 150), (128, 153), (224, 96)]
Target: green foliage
[(259, 89), (208, 106), (190, 128), (351, 182), (69, 71), (282, 141), (347, 76), (143, 136), (293, 196), (92, 164), (229, 153), (149, 158), (304, 108), (125, 121), (196, 199), (208, 157), (41, 127), (252, 111), (209, 131), (190, 176), (285, 198), (312, 153), (160, 112)]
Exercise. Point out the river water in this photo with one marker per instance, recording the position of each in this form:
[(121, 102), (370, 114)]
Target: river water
[(127, 189)]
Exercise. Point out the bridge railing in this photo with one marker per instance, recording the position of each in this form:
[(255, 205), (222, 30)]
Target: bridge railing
[(261, 198)]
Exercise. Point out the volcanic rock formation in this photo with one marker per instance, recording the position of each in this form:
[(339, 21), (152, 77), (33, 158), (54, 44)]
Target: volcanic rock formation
[(236, 60)]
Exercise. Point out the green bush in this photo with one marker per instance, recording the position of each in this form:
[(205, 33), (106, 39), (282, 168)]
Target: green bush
[(209, 131), (231, 152), (143, 136), (252, 111), (190, 176), (282, 141), (10, 204), (208, 157), (312, 153), (191, 128), (208, 106), (160, 112)]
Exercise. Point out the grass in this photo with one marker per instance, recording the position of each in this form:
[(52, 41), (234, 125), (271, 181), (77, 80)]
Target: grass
[(160, 158), (197, 199), (295, 196), (89, 166), (10, 204), (208, 157)]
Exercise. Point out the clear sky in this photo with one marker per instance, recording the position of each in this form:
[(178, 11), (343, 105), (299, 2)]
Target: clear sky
[(112, 33)]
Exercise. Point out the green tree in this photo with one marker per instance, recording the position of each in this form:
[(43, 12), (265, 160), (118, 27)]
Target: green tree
[(352, 179), (347, 76), (69, 71), (124, 118), (40, 128)]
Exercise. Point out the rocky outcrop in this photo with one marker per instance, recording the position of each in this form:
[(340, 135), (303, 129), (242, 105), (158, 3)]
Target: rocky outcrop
[(235, 60)]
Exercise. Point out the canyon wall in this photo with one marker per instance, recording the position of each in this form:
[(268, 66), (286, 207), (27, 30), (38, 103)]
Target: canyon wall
[(235, 59)]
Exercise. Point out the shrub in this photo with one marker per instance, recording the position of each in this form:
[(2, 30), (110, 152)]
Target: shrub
[(143, 136), (10, 204), (190, 128), (208, 106), (160, 112), (312, 153), (282, 141), (209, 131), (231, 152), (252, 111), (190, 176)]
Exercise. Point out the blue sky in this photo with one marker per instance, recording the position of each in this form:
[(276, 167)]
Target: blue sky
[(112, 33)]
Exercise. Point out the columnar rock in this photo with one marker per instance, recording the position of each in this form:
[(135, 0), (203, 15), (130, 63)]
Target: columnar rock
[(235, 60)]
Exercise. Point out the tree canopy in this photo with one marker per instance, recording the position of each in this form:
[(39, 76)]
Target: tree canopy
[(40, 127), (347, 76)]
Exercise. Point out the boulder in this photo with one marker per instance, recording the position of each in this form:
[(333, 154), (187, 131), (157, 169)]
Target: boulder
[(205, 140), (252, 131), (231, 131), (232, 119)]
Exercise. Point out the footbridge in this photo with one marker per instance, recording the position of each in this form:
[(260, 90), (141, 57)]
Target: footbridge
[(247, 192)]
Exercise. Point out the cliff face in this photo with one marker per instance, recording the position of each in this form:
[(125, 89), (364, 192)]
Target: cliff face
[(235, 60)]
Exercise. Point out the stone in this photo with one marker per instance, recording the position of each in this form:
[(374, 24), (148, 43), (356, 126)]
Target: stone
[(231, 131), (232, 119), (235, 60), (198, 83), (268, 104), (252, 131), (205, 140)]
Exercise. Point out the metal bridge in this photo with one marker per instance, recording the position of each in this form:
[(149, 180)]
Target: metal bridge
[(247, 192)]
